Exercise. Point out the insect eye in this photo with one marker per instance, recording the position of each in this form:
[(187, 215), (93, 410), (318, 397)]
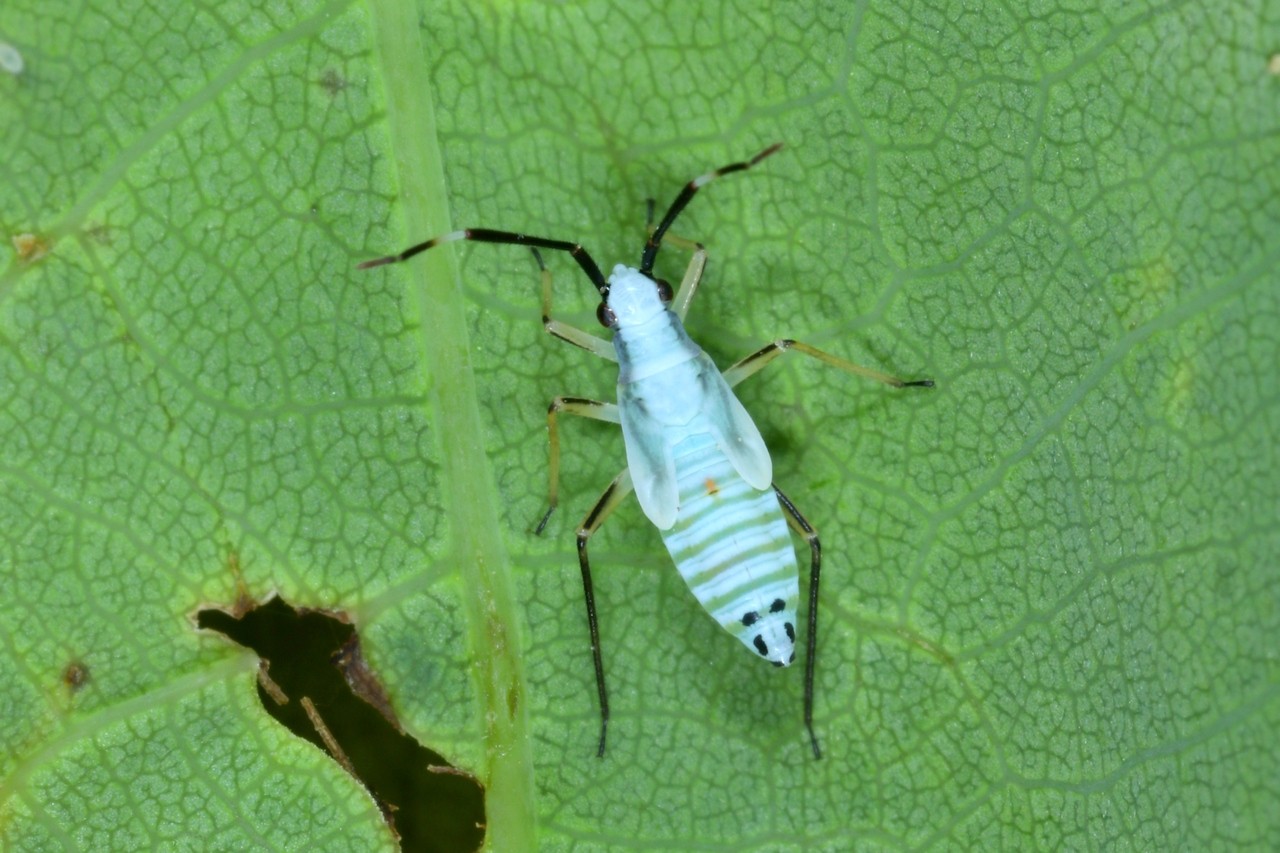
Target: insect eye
[(664, 291), (606, 316)]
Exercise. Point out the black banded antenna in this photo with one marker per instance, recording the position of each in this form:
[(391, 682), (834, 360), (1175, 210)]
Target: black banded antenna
[(488, 235), (655, 239)]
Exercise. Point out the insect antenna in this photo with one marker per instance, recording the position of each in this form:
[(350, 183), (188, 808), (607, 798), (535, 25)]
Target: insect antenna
[(655, 239), (488, 235)]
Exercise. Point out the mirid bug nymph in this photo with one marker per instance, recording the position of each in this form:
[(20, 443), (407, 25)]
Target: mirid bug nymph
[(695, 460)]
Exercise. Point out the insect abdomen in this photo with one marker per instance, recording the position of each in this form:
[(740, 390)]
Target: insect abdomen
[(731, 545)]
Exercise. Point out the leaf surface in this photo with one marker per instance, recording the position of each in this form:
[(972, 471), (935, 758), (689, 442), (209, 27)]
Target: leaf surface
[(1048, 599)]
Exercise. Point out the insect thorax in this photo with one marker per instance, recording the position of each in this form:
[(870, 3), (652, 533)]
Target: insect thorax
[(647, 335)]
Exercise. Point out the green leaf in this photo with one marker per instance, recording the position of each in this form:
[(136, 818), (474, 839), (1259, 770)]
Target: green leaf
[(1048, 602)]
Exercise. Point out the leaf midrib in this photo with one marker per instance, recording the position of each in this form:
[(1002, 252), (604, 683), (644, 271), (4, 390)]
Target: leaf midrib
[(467, 483)]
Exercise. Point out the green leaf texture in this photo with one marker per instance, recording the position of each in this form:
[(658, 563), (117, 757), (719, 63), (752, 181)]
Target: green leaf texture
[(1049, 601)]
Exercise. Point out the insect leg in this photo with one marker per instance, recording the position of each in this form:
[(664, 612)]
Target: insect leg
[(582, 407), (800, 525), (608, 502), (565, 332), (689, 285), (761, 357)]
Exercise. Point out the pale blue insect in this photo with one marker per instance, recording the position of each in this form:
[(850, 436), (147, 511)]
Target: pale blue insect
[(695, 459)]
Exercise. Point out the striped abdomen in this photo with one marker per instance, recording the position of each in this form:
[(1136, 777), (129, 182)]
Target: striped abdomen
[(732, 547)]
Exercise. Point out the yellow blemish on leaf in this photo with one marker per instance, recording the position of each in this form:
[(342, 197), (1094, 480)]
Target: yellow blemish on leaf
[(1149, 290), (29, 247)]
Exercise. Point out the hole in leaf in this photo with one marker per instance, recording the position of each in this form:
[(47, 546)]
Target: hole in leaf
[(313, 679)]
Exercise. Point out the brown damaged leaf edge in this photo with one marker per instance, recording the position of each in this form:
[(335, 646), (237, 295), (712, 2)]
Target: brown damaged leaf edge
[(314, 680)]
